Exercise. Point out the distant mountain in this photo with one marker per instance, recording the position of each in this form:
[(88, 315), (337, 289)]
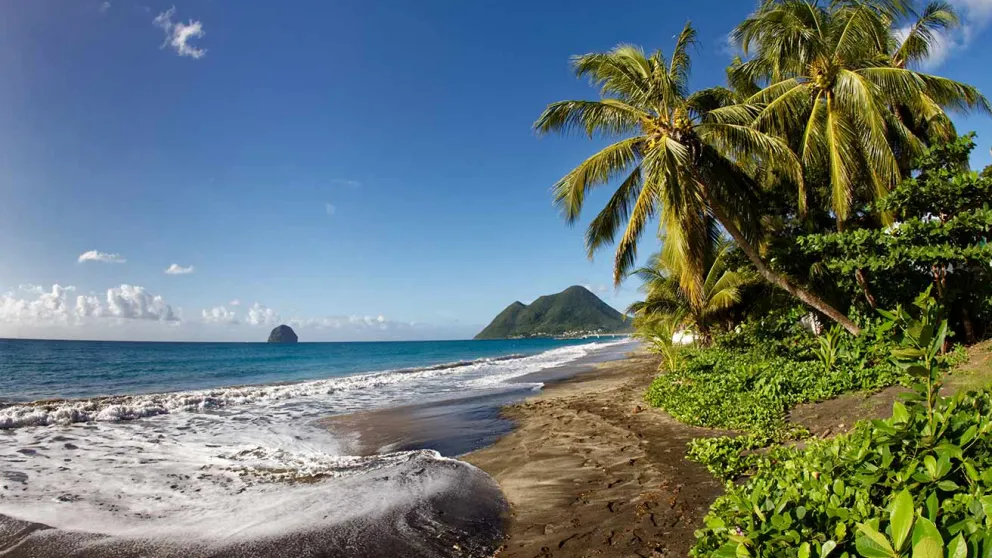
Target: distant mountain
[(572, 312)]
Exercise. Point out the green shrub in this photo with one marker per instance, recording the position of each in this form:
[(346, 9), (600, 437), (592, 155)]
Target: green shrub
[(830, 499), (819, 495), (724, 456), (751, 391)]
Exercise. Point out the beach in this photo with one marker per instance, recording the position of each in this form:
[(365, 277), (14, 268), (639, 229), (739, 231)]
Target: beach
[(249, 470), (586, 467)]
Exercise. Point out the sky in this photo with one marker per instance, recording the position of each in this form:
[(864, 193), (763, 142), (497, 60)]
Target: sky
[(361, 170)]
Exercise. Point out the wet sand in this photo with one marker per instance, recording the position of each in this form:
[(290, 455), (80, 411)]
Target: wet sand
[(588, 468)]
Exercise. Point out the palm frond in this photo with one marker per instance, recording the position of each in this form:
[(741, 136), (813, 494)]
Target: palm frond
[(923, 35), (603, 228), (608, 117), (610, 163), (681, 63)]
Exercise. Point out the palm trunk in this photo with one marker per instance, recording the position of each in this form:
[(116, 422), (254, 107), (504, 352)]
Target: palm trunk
[(969, 328), (776, 279), (859, 275)]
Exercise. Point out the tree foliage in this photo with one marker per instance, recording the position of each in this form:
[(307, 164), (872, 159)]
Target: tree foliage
[(834, 83), (666, 300), (940, 238)]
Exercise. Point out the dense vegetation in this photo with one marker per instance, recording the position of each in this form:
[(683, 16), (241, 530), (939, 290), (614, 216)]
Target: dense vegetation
[(824, 183), (859, 493), (572, 311)]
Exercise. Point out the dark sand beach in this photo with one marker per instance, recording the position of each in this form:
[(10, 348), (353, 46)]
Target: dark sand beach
[(465, 519), (588, 469)]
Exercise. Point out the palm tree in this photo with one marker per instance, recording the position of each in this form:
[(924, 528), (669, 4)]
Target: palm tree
[(665, 298), (912, 46), (834, 71), (679, 156)]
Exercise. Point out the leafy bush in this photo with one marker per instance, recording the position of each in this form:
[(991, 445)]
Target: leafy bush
[(940, 238), (830, 498), (819, 495), (725, 456), (751, 390)]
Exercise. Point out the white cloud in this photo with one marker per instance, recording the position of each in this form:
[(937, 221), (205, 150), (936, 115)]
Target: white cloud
[(178, 34), (134, 302), (176, 269), (340, 322), (31, 288), (57, 306), (235, 302), (104, 7), (331, 210), (259, 314), (97, 256), (219, 315), (976, 15), (729, 47)]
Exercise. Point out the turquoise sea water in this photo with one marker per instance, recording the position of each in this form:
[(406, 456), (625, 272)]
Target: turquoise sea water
[(38, 369), (221, 446)]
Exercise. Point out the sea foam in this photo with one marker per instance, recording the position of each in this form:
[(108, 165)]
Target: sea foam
[(247, 470), (131, 407)]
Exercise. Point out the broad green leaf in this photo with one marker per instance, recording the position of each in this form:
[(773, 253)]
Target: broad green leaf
[(968, 435), (957, 548), (933, 505), (899, 412), (927, 542), (803, 551), (938, 342), (728, 550), (873, 544), (907, 353), (901, 518), (827, 548)]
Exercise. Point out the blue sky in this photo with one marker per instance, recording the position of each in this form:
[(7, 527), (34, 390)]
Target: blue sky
[(364, 170)]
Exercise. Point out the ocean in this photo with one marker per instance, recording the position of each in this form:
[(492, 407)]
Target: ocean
[(217, 448)]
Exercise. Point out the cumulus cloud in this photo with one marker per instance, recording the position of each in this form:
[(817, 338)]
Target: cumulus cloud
[(259, 314), (58, 306), (976, 15), (331, 210), (176, 269), (256, 315), (31, 288), (98, 256), (339, 322), (220, 315), (178, 34)]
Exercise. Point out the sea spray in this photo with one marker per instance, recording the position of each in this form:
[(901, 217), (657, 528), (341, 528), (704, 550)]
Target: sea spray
[(242, 470)]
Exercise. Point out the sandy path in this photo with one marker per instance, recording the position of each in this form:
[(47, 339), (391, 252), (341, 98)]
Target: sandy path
[(591, 470)]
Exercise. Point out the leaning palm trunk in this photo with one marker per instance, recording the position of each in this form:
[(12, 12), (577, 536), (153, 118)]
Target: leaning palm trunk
[(683, 157), (779, 280)]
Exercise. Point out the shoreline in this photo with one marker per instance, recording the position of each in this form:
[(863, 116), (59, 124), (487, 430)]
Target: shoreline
[(588, 469), (591, 470)]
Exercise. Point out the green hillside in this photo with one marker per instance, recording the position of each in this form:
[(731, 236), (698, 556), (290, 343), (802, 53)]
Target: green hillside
[(571, 312)]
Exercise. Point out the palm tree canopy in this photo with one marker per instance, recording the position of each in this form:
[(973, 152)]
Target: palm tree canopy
[(666, 299), (675, 154), (833, 73)]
